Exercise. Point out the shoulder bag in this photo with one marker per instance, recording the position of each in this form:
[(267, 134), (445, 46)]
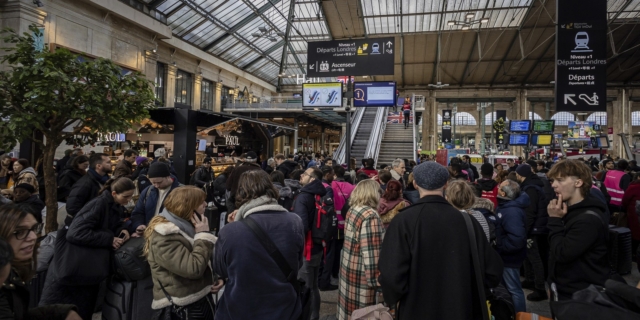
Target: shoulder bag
[(292, 275), (72, 261), (476, 266)]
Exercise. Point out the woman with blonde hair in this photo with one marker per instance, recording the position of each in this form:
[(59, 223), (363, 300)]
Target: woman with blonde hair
[(462, 197), (363, 240), (179, 248)]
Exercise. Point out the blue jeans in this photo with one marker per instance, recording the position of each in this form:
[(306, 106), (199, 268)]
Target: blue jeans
[(511, 279)]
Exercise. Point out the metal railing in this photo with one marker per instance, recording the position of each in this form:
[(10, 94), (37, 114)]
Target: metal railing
[(339, 155), (377, 132), (418, 103)]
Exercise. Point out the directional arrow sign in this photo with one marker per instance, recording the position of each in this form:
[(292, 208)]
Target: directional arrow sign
[(389, 44), (567, 97), (311, 66)]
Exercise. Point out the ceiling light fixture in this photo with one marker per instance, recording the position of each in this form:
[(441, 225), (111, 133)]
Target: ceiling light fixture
[(269, 34), (438, 85), (468, 22), (470, 15)]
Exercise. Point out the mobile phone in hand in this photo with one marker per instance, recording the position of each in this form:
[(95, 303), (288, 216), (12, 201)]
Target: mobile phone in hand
[(122, 235)]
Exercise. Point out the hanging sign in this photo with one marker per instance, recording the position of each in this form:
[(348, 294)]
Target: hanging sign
[(446, 126), (361, 57), (231, 140), (581, 55)]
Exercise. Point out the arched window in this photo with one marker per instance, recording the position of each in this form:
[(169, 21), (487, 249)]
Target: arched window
[(439, 120), (488, 119), (635, 118), (465, 119), (599, 118), (563, 118), (534, 116)]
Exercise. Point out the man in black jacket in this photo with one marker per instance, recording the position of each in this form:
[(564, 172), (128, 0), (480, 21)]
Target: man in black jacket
[(578, 232), (536, 226), (467, 159), (425, 262), (285, 166), (248, 164), (204, 174), (88, 186), (305, 206)]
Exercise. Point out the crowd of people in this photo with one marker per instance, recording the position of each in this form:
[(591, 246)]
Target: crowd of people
[(300, 224)]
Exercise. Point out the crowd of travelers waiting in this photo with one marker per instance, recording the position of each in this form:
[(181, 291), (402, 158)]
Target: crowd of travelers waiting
[(431, 241)]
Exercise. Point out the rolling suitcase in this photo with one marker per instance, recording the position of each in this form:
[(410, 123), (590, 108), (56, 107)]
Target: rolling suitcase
[(620, 256), (128, 300)]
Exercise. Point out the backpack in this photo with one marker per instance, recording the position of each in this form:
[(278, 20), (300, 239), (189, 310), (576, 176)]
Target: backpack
[(540, 225), (492, 195), (325, 222), (129, 263)]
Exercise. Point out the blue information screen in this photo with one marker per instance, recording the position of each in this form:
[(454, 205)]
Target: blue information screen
[(519, 139), (374, 94), (520, 126)]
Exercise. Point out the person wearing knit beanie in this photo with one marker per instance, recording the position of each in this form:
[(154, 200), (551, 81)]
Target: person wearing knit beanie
[(430, 176)]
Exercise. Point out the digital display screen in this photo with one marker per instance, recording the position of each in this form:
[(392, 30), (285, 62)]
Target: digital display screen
[(543, 125), (202, 145), (322, 95), (374, 94), (520, 126), (603, 142), (541, 139), (519, 139)]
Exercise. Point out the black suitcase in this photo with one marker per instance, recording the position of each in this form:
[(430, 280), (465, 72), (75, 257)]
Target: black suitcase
[(620, 255), (128, 300)]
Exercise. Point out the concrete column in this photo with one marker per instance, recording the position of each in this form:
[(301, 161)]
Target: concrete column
[(433, 132), (196, 95), (619, 117), (170, 86), (217, 103), (150, 65), (322, 138)]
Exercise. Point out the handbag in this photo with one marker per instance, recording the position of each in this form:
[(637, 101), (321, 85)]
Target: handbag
[(203, 309), (77, 265), (476, 265), (292, 275), (129, 262)]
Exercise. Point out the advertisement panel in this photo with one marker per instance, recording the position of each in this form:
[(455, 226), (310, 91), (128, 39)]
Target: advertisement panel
[(374, 94), (359, 57), (446, 126), (316, 95), (581, 130)]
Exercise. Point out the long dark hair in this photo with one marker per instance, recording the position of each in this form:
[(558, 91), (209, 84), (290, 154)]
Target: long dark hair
[(24, 163), (76, 161), (10, 217), (254, 184)]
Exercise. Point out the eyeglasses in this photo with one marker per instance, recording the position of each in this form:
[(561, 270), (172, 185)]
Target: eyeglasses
[(21, 234)]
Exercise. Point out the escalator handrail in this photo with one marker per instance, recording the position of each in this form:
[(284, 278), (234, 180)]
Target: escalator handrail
[(377, 132), (339, 155)]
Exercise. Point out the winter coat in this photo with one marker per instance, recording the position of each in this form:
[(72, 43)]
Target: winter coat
[(359, 260), (487, 186), (123, 168), (203, 176), (411, 194), (536, 221), (596, 193), (370, 172), (234, 177), (82, 192), (305, 207), (476, 174), (631, 196), (62, 164), (425, 263), (578, 248), (285, 195), (486, 208), (341, 193), (14, 303), (68, 178), (287, 167), (389, 209), (34, 201), (181, 264), (511, 234), (257, 288), (145, 208)]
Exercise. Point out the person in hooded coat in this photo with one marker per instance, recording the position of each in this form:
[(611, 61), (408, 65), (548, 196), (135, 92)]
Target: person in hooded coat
[(391, 202), (425, 262), (70, 175), (23, 173), (578, 233)]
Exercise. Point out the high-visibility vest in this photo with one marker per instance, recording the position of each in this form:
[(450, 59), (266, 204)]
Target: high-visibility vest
[(612, 182)]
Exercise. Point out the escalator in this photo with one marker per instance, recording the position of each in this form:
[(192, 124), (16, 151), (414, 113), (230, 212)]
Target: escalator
[(363, 135)]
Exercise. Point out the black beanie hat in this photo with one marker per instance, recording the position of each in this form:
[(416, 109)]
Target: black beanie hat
[(27, 187), (158, 170)]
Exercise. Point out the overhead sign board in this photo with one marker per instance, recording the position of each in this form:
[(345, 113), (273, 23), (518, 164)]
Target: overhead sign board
[(362, 57), (581, 55), (519, 139), (446, 126), (374, 94), (544, 125), (316, 95), (520, 125)]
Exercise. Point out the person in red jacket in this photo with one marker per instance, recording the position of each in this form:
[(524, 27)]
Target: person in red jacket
[(406, 112), (368, 169), (631, 196)]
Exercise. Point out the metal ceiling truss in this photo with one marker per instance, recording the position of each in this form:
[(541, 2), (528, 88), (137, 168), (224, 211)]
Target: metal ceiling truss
[(544, 53), (154, 4), (283, 59)]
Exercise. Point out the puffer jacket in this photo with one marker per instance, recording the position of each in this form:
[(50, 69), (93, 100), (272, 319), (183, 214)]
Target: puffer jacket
[(67, 179), (82, 192), (29, 176), (181, 264), (486, 208), (389, 209), (14, 303), (286, 195), (511, 233)]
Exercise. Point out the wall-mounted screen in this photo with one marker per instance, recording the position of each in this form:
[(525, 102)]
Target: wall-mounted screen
[(374, 94), (544, 125), (317, 95), (520, 125), (202, 145), (519, 139), (541, 140)]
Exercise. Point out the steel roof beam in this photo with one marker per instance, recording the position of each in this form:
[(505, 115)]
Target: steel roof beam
[(154, 4), (268, 52), (287, 39), (544, 53)]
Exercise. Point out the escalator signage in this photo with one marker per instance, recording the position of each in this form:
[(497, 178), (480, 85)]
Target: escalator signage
[(361, 57)]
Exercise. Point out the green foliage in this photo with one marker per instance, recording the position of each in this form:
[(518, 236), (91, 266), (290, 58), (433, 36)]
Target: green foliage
[(49, 91), (499, 125)]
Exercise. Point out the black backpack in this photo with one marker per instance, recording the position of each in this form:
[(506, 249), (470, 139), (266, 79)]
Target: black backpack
[(325, 221), (129, 263)]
